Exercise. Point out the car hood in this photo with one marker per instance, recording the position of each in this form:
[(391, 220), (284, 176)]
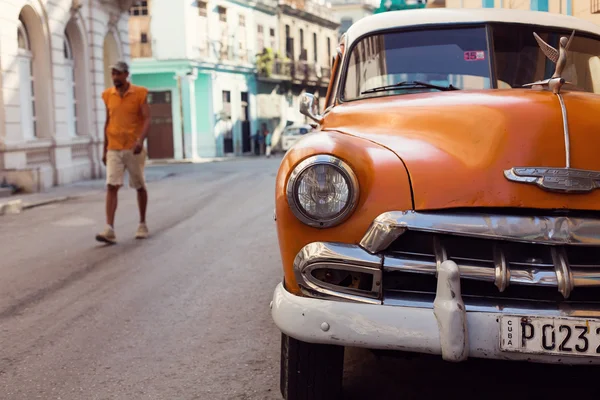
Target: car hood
[(456, 146)]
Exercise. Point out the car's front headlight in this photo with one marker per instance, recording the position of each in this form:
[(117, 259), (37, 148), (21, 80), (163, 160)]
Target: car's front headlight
[(322, 191)]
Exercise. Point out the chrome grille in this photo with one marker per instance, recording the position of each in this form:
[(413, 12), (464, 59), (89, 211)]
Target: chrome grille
[(516, 270)]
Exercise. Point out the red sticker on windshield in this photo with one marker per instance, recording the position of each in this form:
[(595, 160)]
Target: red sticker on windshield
[(478, 55)]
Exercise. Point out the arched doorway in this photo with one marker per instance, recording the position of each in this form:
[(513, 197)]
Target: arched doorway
[(76, 67), (34, 70), (111, 56)]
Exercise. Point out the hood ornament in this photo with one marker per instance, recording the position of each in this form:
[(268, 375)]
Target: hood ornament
[(558, 57), (563, 180)]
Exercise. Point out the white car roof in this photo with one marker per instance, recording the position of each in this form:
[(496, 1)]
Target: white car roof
[(451, 16)]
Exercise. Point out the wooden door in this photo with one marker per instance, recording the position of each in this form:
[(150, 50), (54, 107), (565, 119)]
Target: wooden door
[(160, 135)]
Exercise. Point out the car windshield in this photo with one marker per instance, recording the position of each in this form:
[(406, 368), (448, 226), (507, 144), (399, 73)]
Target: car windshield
[(461, 57), (519, 59), (457, 57)]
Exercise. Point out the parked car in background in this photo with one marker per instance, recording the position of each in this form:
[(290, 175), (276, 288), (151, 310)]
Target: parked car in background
[(292, 133), (448, 203)]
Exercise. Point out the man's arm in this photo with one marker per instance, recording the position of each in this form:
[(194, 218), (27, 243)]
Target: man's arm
[(105, 137)]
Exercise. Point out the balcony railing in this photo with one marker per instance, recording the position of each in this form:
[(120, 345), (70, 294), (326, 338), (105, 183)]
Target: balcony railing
[(299, 71), (140, 50)]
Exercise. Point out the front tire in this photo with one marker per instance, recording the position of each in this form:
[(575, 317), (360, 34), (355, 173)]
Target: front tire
[(310, 371)]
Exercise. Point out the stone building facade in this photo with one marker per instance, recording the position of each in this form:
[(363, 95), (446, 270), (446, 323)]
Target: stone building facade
[(54, 58)]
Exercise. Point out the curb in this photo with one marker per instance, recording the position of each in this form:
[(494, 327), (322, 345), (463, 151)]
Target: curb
[(27, 206), (18, 206)]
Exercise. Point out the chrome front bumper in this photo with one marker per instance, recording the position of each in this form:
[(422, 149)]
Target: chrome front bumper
[(447, 331), (451, 322)]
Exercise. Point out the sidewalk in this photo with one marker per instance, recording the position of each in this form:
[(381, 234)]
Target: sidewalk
[(155, 170), (17, 203)]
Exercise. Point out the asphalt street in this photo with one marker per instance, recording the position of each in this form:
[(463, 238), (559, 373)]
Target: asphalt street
[(185, 313)]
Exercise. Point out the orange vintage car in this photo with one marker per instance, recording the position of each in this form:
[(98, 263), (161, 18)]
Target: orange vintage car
[(448, 202)]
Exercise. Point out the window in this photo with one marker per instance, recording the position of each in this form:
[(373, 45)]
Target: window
[(242, 20), (345, 23), (227, 103), (539, 5), (70, 89), (315, 51), (261, 39), (328, 48), (201, 8), (139, 9), (289, 51), (272, 32), (144, 38), (27, 83), (222, 14)]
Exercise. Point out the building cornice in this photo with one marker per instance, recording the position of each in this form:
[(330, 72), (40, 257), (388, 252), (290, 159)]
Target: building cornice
[(152, 66), (297, 13), (350, 6)]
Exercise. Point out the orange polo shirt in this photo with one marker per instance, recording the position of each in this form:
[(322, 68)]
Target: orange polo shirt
[(125, 116)]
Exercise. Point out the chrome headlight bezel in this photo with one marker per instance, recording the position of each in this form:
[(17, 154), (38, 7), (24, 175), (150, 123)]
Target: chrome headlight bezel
[(344, 169)]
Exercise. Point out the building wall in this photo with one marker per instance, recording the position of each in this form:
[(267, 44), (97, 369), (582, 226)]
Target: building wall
[(235, 83), (350, 12), (62, 149), (169, 39), (309, 28), (576, 8)]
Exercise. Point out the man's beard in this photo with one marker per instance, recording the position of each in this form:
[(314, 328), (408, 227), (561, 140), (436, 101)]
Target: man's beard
[(118, 83)]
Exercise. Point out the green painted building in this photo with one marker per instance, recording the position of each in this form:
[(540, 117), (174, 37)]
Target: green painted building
[(201, 74)]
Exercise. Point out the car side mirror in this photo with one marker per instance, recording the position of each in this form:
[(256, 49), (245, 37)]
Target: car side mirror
[(309, 107)]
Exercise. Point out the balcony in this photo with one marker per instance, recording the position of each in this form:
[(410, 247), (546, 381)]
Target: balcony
[(140, 49), (298, 72)]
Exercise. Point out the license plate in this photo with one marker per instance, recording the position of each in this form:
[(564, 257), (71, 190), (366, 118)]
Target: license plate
[(546, 335)]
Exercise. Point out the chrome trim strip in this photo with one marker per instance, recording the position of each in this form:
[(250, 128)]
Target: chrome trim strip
[(561, 277), (528, 229), (563, 109), (324, 287), (337, 256)]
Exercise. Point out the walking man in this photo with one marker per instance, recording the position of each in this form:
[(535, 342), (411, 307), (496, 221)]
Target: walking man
[(126, 128)]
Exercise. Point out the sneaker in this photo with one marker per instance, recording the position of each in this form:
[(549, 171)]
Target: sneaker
[(108, 236), (142, 231)]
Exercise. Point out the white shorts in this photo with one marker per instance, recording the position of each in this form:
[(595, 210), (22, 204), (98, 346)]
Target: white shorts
[(117, 161)]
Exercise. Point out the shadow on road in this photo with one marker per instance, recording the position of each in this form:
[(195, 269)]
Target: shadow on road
[(426, 377)]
